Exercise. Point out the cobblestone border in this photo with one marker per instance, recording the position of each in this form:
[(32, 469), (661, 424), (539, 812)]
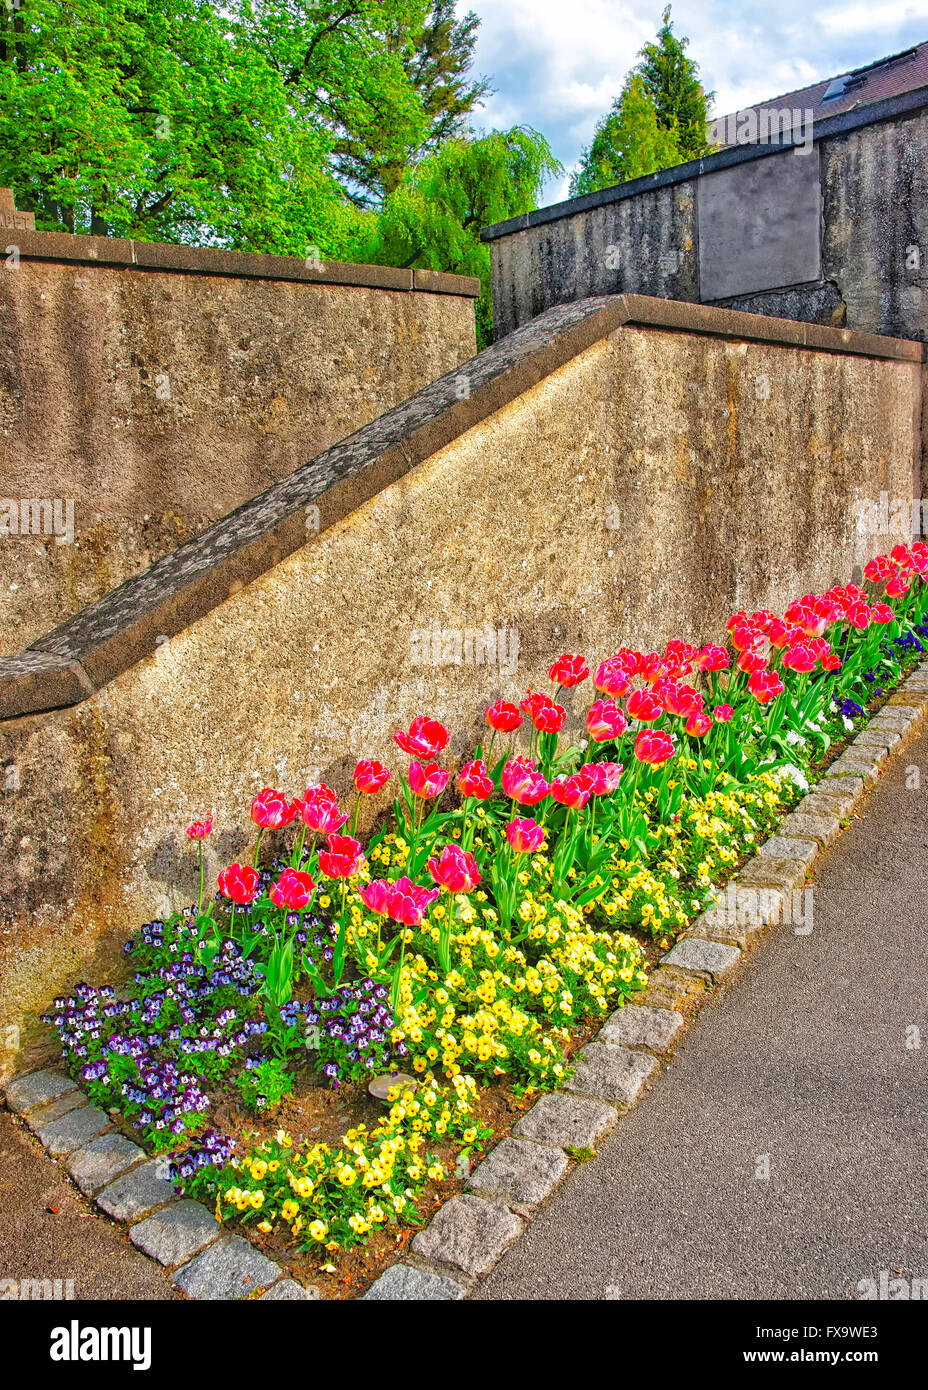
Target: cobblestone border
[(470, 1232)]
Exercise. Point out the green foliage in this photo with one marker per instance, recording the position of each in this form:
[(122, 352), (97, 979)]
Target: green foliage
[(265, 1085), (433, 218), (658, 120), (629, 143), (671, 80)]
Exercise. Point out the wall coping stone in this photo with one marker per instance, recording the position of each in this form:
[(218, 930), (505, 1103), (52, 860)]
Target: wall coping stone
[(832, 126), (124, 626), (68, 249)]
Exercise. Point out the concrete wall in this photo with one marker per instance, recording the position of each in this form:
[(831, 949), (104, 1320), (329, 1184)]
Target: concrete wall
[(833, 232), (615, 476), (155, 388)]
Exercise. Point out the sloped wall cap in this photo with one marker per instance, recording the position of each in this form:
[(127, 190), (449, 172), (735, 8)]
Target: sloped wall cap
[(204, 260), (127, 625)]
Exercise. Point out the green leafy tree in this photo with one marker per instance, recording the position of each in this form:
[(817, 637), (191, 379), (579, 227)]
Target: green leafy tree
[(629, 143), (671, 80), (436, 60), (179, 120), (433, 218), (658, 120)]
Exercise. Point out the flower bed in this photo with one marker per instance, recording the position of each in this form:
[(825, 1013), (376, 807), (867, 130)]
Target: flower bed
[(479, 937)]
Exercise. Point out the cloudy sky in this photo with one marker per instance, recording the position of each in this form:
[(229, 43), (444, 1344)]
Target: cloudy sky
[(557, 64)]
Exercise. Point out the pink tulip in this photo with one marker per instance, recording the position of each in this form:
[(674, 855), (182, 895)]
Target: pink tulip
[(605, 721), (475, 781), (270, 809), (238, 882), (525, 836), (370, 776), (427, 781), (456, 870), (294, 889)]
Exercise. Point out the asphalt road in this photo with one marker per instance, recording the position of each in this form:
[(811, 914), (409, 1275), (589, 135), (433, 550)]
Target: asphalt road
[(806, 1061), (49, 1231)]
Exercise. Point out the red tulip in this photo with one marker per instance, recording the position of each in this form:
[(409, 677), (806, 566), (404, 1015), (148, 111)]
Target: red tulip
[(698, 724), (642, 705), (474, 780), (681, 700), (271, 809), (427, 781), (523, 783), (569, 670), (525, 836), (613, 676), (370, 776), (456, 870), (879, 568), (652, 667), (799, 657), (319, 809), (503, 717), (573, 792), (238, 882), (744, 635), (899, 584), (858, 615), (376, 895), (653, 746), (294, 889), (712, 658), (199, 829), (342, 859), (680, 656), (409, 903), (901, 554), (600, 778), (765, 686), (882, 613), (723, 713), (831, 662), (547, 717), (605, 721), (751, 661), (425, 739)]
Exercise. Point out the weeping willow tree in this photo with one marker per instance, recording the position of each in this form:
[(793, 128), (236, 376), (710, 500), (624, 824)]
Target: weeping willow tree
[(432, 219)]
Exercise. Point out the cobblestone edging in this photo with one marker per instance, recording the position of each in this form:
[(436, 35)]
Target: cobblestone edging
[(469, 1233)]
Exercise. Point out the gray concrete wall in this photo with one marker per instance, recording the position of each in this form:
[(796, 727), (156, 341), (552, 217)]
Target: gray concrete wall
[(152, 389), (833, 233)]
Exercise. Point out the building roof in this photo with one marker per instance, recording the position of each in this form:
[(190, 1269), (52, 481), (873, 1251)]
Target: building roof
[(887, 77)]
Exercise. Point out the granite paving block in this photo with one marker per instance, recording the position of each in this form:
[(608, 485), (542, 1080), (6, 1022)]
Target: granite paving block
[(469, 1233), (23, 1093), (232, 1268), (823, 829), (135, 1194), (404, 1282), (73, 1130), (708, 957), (289, 1291), (789, 847), (175, 1233), (637, 1025), (519, 1173), (570, 1122), (102, 1160), (611, 1073)]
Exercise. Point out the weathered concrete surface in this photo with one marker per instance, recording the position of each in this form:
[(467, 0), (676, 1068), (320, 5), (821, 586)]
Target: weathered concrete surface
[(156, 401), (809, 1062), (641, 491), (642, 237), (71, 1241)]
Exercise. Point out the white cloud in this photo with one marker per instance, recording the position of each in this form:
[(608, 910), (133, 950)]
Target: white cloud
[(558, 64)]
